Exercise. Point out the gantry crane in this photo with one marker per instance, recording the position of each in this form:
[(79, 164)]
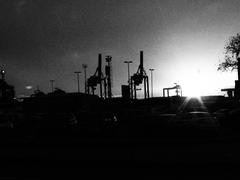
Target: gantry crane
[(138, 78), (99, 78)]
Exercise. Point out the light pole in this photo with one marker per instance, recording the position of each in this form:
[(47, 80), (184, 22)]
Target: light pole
[(51, 82), (128, 62), (151, 70), (85, 76), (77, 73)]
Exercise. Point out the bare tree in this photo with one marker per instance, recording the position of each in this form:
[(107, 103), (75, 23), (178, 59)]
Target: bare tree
[(232, 60), (232, 52)]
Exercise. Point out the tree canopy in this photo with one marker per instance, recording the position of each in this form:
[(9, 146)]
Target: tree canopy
[(232, 51)]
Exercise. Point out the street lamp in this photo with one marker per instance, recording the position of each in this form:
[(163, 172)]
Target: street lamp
[(128, 62), (151, 70), (85, 76), (51, 82), (77, 73)]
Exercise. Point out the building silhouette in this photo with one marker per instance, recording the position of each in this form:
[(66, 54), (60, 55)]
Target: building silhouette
[(7, 91)]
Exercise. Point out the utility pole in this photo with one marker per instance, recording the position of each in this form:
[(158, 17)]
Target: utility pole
[(51, 82), (77, 73), (128, 62), (151, 70), (85, 76)]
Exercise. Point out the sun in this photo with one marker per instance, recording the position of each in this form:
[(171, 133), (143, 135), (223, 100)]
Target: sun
[(193, 88), (193, 91), (196, 84)]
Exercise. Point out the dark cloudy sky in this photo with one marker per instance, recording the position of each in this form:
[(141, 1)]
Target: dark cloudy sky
[(182, 39)]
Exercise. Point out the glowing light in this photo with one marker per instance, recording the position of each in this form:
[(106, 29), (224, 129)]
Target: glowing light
[(28, 87), (193, 89), (197, 80), (188, 102), (194, 86)]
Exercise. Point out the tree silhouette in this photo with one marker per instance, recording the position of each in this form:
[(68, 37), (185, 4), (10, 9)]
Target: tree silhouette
[(231, 59)]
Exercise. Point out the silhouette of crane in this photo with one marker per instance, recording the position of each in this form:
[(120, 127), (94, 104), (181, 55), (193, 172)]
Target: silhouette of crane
[(99, 78), (138, 78)]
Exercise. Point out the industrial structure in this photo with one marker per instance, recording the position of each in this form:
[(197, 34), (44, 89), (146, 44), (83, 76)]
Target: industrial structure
[(230, 92), (138, 78), (99, 79), (96, 79), (176, 87), (108, 73)]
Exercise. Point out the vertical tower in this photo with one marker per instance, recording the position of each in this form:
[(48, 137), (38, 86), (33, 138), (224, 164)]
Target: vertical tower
[(108, 72), (99, 73), (85, 76), (141, 70)]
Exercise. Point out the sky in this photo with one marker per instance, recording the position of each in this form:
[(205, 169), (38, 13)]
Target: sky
[(183, 40)]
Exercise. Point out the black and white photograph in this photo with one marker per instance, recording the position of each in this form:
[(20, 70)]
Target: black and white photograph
[(119, 89)]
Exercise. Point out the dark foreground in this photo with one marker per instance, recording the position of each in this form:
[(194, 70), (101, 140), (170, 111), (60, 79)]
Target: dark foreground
[(141, 140), (172, 151)]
